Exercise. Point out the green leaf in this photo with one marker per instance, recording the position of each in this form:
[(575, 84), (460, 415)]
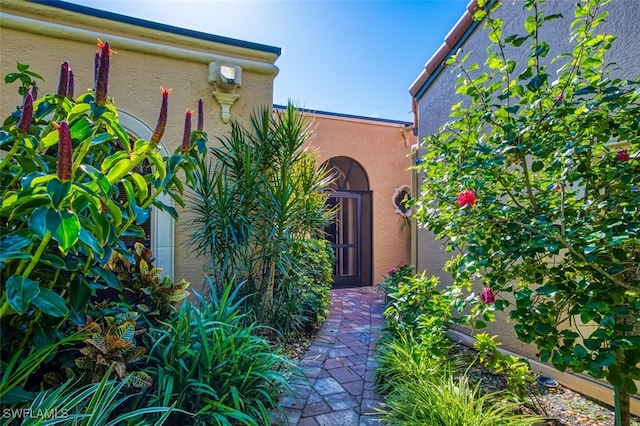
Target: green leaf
[(50, 303), (608, 321), (38, 221), (580, 352), (120, 157), (537, 166), (58, 190), (79, 294), (91, 241), (107, 276), (592, 344), (11, 246), (68, 230), (20, 291)]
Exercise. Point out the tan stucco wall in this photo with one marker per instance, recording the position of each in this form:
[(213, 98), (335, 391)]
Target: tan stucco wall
[(382, 149), (434, 107), (145, 60)]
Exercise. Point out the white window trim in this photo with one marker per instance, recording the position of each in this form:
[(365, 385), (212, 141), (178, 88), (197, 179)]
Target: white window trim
[(162, 224)]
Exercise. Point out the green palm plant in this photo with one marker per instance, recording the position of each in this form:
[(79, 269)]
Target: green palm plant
[(254, 197)]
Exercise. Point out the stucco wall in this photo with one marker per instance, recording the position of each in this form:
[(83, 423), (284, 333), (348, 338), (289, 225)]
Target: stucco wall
[(434, 105), (382, 150), (145, 60)]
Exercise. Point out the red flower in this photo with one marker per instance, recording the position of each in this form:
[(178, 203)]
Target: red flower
[(27, 113), (65, 152), (63, 82), (186, 137), (200, 116), (488, 296), (102, 64), (466, 198), (623, 155), (391, 271), (70, 85), (162, 118)]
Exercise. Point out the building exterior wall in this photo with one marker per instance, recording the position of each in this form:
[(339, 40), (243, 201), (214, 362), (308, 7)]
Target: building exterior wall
[(433, 102), (146, 59), (382, 148)]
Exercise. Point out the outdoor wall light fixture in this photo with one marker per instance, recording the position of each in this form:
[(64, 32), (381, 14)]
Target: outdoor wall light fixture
[(225, 80), (399, 200)]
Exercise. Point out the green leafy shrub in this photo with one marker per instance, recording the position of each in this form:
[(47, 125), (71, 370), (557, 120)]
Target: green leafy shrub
[(142, 287), (422, 387), (97, 404), (414, 302), (515, 370), (208, 362), (403, 357), (305, 292), (449, 401), (535, 182), (72, 186)]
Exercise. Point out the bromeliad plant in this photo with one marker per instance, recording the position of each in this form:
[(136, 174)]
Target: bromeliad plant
[(66, 160), (536, 181)]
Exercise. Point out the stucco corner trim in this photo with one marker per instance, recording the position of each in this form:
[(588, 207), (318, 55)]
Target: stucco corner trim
[(32, 25), (452, 41)]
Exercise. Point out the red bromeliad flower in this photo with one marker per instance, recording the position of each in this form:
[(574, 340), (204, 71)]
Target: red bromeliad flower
[(623, 155), (103, 62), (488, 296), (63, 82), (186, 137), (27, 113), (162, 118), (65, 152), (70, 85), (200, 115), (466, 198)]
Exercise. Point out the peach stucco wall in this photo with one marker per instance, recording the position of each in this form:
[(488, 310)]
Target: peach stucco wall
[(145, 60), (382, 149)]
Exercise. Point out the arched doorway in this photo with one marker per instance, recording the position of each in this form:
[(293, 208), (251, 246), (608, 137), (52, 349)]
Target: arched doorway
[(351, 233)]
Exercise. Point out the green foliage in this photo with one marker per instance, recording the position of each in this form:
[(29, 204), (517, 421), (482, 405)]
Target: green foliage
[(422, 388), (450, 401), (516, 371), (92, 405), (66, 161), (208, 362), (142, 287), (18, 369), (303, 297), (415, 303), (551, 158), (258, 196), (404, 357)]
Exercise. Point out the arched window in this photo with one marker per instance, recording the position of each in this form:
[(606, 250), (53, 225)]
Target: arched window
[(162, 224)]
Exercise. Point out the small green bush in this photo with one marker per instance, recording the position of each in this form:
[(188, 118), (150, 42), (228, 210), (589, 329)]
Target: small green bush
[(303, 297), (449, 401), (423, 388), (208, 362), (414, 302)]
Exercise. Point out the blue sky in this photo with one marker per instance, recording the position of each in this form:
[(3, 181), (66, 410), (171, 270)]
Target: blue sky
[(349, 57)]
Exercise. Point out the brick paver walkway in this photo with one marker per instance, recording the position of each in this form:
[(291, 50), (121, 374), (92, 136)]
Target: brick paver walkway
[(339, 388)]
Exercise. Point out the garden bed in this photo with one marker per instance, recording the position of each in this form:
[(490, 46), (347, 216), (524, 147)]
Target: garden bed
[(564, 406)]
